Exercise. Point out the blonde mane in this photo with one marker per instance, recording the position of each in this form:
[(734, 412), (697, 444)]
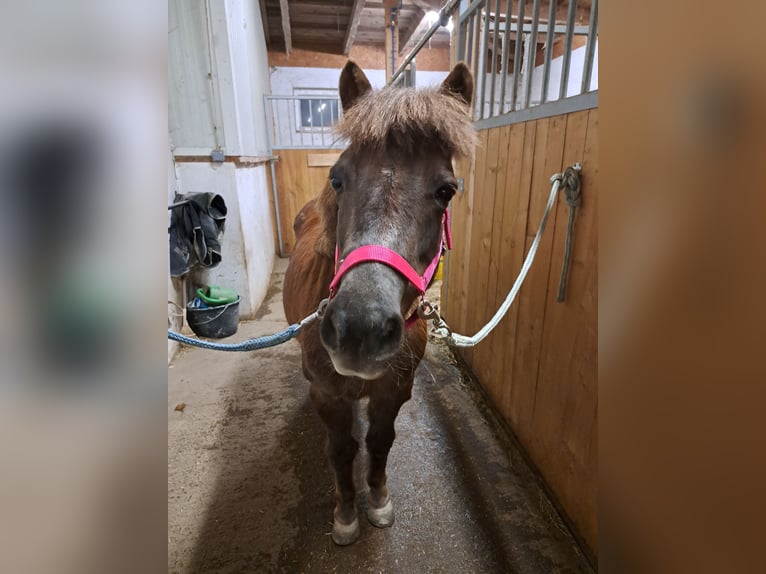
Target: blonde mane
[(405, 117)]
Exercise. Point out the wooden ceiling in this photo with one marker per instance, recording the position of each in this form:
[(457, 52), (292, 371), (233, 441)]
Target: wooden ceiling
[(334, 26)]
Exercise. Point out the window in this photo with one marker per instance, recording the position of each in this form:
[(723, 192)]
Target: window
[(316, 110), (318, 113)]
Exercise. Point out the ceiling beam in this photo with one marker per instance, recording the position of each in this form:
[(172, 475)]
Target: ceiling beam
[(286, 32), (265, 22), (353, 25)]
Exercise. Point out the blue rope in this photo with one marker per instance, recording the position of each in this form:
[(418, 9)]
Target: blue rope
[(249, 345)]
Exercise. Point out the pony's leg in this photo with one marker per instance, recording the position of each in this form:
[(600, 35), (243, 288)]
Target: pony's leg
[(381, 412), (341, 448)]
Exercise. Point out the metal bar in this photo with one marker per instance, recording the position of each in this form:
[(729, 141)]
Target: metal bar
[(516, 58), (506, 43), (266, 109), (554, 108), (494, 59), (567, 50), (290, 119), (270, 134), (548, 50), (532, 55), (337, 145), (475, 67), (472, 8), (590, 49), (312, 133), (483, 58), (323, 126), (469, 27), (446, 10), (306, 97)]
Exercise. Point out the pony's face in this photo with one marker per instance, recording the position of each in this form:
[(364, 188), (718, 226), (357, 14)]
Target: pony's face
[(391, 193)]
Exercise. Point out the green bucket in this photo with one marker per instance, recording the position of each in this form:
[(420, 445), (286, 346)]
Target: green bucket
[(213, 295)]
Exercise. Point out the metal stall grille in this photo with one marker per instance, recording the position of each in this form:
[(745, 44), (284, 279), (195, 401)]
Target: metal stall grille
[(524, 56), (303, 121), (530, 59)]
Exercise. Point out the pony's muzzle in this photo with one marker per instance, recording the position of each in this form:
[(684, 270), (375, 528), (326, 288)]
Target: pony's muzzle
[(360, 337)]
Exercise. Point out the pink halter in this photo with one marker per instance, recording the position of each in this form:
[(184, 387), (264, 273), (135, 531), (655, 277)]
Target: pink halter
[(381, 254)]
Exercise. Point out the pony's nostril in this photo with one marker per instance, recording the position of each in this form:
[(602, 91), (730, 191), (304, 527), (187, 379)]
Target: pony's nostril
[(390, 333), (331, 329)]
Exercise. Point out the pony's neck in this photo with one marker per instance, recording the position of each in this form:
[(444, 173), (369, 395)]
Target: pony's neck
[(328, 214)]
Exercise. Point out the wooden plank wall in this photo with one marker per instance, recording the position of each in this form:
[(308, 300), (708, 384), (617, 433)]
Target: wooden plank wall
[(539, 366), (301, 174)]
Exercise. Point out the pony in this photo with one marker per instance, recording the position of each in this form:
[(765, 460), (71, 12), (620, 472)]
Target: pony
[(390, 189)]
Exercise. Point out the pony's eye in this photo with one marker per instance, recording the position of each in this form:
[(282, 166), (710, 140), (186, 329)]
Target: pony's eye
[(336, 183), (445, 193)]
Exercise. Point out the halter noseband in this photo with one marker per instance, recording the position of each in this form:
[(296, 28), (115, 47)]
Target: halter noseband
[(381, 254)]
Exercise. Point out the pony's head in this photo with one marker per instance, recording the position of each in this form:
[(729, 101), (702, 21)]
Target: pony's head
[(390, 187)]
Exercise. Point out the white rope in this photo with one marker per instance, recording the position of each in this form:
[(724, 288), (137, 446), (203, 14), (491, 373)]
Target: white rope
[(442, 331)]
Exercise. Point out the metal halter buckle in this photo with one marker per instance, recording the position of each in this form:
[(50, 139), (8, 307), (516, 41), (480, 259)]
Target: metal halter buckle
[(428, 311)]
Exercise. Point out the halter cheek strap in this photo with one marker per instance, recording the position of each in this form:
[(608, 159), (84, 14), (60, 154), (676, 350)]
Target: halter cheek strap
[(381, 254)]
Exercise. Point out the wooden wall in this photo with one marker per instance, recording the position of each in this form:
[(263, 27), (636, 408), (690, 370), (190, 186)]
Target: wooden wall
[(539, 366), (301, 174)]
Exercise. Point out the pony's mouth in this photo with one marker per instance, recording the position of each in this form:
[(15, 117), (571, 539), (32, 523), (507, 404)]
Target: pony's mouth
[(366, 374)]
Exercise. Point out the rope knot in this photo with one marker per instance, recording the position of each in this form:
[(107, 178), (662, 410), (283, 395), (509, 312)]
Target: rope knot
[(570, 181)]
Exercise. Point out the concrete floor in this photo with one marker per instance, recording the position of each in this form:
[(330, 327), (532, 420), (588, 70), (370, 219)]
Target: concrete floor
[(249, 489)]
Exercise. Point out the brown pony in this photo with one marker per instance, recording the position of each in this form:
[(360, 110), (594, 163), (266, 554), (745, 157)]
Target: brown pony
[(390, 187)]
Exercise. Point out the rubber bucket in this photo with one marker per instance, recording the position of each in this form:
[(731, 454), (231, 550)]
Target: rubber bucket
[(214, 322)]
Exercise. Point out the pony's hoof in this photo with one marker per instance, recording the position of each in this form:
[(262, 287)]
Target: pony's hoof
[(382, 517), (345, 534)]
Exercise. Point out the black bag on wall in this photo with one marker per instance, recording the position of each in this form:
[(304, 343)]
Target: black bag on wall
[(196, 224)]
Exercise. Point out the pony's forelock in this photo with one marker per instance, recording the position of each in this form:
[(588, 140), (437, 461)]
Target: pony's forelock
[(409, 119)]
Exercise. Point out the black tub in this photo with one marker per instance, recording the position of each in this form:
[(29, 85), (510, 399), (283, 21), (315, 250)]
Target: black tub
[(214, 322)]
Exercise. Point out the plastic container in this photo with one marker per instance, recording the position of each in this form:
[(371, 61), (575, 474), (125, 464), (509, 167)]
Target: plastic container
[(439, 269), (214, 322), (214, 295)]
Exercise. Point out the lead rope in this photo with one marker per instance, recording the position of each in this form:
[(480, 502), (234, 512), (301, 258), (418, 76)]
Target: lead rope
[(252, 344), (571, 184), (440, 329)]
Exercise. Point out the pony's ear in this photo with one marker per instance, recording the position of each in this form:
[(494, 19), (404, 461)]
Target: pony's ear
[(459, 83), (353, 84)]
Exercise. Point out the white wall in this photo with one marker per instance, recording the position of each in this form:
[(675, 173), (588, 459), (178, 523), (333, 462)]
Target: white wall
[(576, 69), (257, 234), (247, 244), (191, 111), (218, 74), (285, 79)]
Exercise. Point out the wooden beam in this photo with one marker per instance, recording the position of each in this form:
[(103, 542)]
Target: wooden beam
[(353, 25), (286, 26), (419, 24), (265, 22)]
